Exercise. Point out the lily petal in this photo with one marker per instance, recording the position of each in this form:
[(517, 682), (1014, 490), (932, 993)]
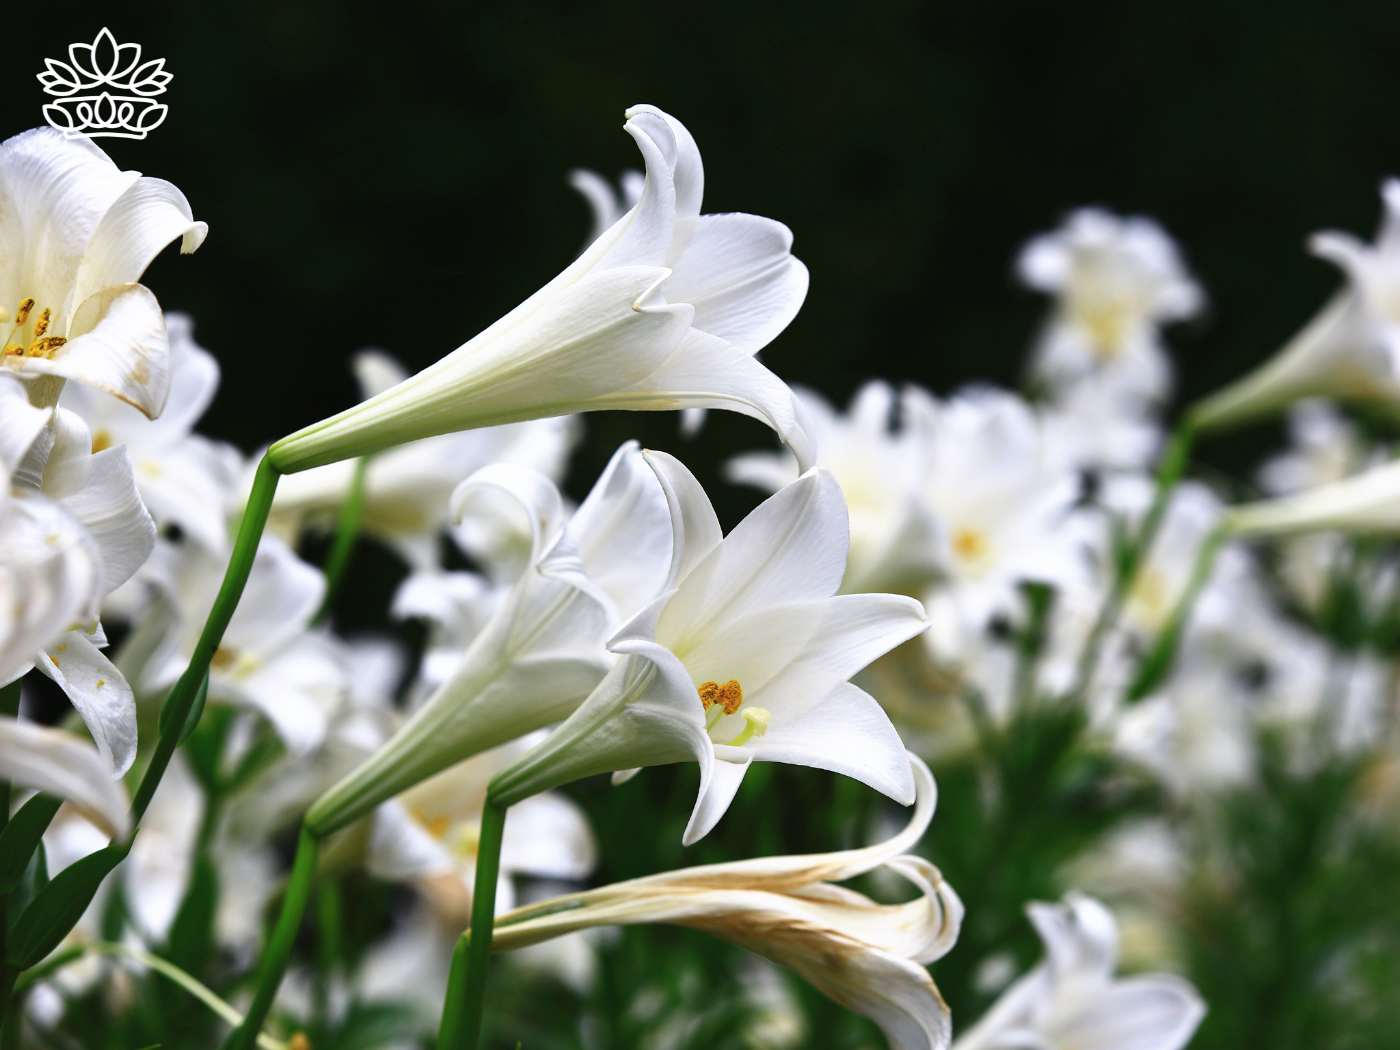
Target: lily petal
[(99, 693), (61, 764)]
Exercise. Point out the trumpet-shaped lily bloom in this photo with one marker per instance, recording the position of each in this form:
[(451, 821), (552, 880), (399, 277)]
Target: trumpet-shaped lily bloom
[(866, 956), (1350, 349), (894, 534), (1368, 502), (64, 765), (1072, 1001), (78, 233), (408, 490), (1116, 282), (665, 310), (541, 649), (746, 657)]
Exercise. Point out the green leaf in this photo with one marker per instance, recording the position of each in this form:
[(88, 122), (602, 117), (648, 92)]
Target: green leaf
[(34, 879), (56, 908), (191, 939), (167, 713), (21, 837)]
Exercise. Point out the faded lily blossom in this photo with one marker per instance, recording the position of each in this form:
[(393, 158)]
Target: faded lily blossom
[(664, 311), (78, 233), (1350, 349), (540, 650), (868, 957), (1116, 282), (1072, 1001), (746, 657)]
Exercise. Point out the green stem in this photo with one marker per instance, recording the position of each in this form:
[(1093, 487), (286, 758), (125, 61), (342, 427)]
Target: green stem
[(279, 944), (454, 1007), (1155, 667), (466, 999), (328, 949), (182, 694), (1169, 471), (347, 531)]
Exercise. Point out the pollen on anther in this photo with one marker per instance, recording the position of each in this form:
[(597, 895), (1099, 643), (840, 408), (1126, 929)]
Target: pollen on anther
[(25, 305), (730, 695), (42, 324)]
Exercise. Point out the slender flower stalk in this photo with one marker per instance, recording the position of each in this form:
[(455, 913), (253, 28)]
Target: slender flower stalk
[(181, 700), (464, 1010)]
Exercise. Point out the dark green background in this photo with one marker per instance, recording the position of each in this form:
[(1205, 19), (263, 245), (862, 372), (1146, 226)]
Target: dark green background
[(393, 174)]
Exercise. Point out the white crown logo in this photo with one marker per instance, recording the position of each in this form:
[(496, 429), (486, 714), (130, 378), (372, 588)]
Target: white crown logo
[(105, 90)]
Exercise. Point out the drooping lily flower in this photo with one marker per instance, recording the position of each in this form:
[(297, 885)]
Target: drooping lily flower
[(866, 956), (1116, 281), (664, 311), (1072, 1001), (540, 650), (407, 489), (1350, 349), (746, 657), (62, 764), (78, 233)]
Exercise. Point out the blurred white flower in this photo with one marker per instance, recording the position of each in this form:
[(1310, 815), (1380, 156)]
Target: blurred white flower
[(868, 957), (1072, 1001), (407, 489), (1116, 282), (1350, 349), (665, 310), (1093, 426), (894, 535), (540, 650), (78, 233), (269, 660), (607, 204), (1002, 503), (429, 835), (745, 657), (185, 480)]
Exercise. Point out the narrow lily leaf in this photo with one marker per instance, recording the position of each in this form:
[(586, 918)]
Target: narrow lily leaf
[(56, 908), (22, 836), (34, 878)]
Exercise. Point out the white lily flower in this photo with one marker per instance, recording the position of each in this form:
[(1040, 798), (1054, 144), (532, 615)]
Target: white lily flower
[(1002, 502), (78, 233), (1368, 502), (1072, 1001), (1116, 282), (894, 535), (407, 489), (540, 650), (1350, 349), (97, 493), (1093, 426), (184, 480), (429, 835), (746, 657), (269, 659), (663, 311), (866, 956), (64, 765)]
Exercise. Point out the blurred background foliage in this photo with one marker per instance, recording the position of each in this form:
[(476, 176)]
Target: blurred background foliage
[(394, 176)]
